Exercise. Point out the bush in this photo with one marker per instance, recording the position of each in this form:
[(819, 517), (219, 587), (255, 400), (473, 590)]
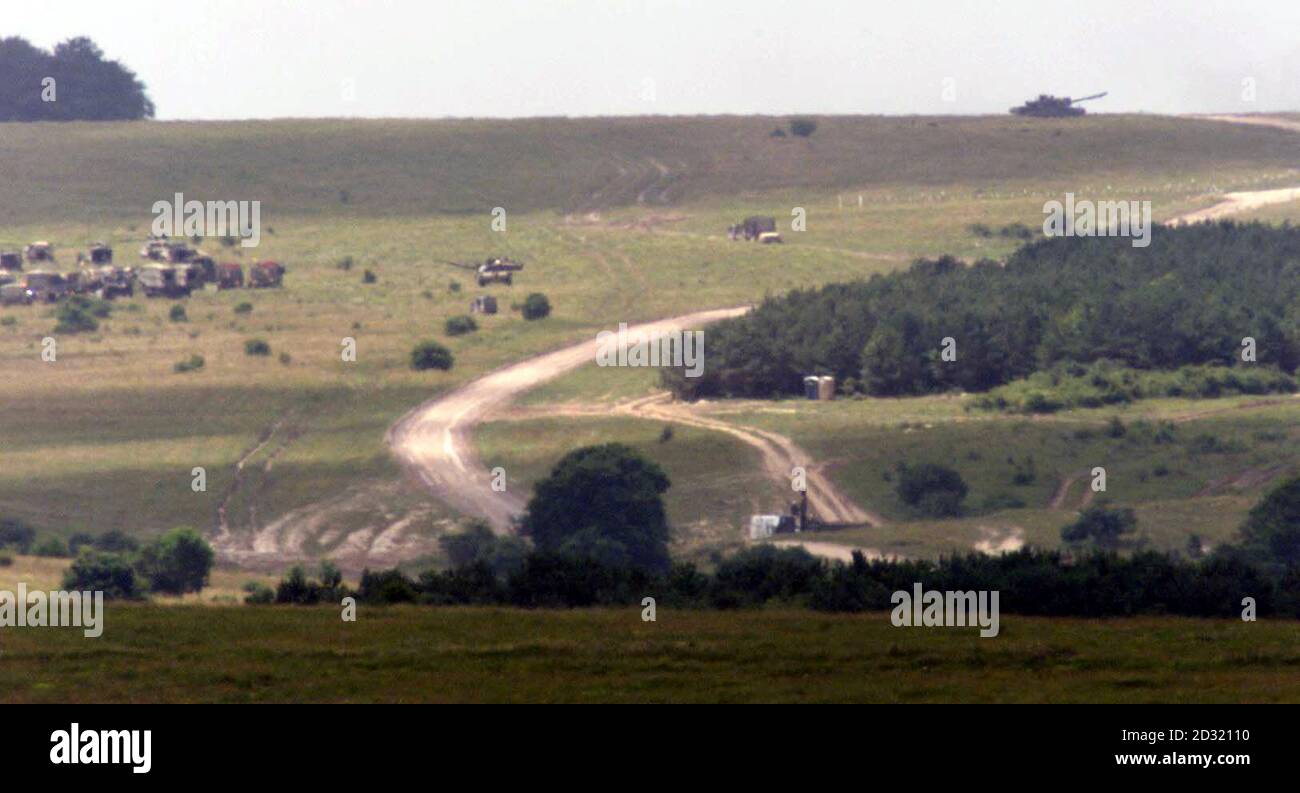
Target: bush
[(296, 588), (257, 347), (16, 535), (345, 263), (431, 355), (258, 593), (604, 503), (177, 314), (477, 544), (6, 560), (536, 306), (460, 325), (178, 562), (244, 308), (109, 573), (932, 490), (803, 127), (1102, 525), (51, 547), (368, 277), (73, 320), (191, 364), (1271, 532)]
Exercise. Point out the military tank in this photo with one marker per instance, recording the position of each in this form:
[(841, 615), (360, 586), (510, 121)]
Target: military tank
[(1047, 106)]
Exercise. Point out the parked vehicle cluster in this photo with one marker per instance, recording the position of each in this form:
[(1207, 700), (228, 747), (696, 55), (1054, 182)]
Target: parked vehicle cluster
[(171, 269)]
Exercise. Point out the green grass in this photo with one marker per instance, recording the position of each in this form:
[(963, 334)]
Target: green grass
[(107, 436), (717, 481), (419, 654), (418, 168)]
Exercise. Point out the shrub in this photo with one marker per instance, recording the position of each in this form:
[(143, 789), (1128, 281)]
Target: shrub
[(244, 308), (536, 306), (368, 277), (933, 490), (460, 325), (72, 319), (6, 560), (431, 355), (286, 358), (257, 347), (191, 364), (1271, 531), (178, 562), (345, 263), (453, 286), (604, 503), (16, 534), (51, 547), (258, 593), (109, 573), (1101, 524), (177, 314)]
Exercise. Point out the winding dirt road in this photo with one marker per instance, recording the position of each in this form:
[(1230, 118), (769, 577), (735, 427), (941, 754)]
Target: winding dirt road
[(433, 441)]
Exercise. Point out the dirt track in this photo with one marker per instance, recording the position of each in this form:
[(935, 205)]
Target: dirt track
[(433, 441)]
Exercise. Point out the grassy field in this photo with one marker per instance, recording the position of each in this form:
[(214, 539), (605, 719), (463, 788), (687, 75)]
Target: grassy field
[(618, 220), (419, 654)]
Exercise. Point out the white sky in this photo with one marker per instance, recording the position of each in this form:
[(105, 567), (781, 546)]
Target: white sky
[(504, 58)]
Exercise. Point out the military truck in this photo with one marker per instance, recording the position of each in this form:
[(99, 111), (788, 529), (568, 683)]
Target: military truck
[(99, 254), (208, 266), (754, 227), (229, 276), (85, 281), (40, 251), (179, 252), (15, 294), (11, 260), (265, 275), (154, 249), (47, 286), (162, 280), (117, 282)]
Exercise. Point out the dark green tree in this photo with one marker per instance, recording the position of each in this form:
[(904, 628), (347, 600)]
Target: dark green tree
[(603, 502)]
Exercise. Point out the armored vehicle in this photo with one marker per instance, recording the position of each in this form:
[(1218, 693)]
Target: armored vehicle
[(1047, 106), (162, 280), (265, 275), (39, 252), (46, 286), (230, 276)]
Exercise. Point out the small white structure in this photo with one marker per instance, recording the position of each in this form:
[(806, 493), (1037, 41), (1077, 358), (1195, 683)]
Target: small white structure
[(763, 526)]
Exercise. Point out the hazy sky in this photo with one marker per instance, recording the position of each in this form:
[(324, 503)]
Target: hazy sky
[(271, 58)]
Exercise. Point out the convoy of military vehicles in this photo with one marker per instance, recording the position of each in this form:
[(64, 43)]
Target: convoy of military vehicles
[(172, 269)]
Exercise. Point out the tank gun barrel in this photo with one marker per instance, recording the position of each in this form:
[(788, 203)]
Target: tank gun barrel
[(1086, 98)]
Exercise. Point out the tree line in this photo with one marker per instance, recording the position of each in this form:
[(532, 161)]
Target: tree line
[(72, 82), (1190, 298)]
